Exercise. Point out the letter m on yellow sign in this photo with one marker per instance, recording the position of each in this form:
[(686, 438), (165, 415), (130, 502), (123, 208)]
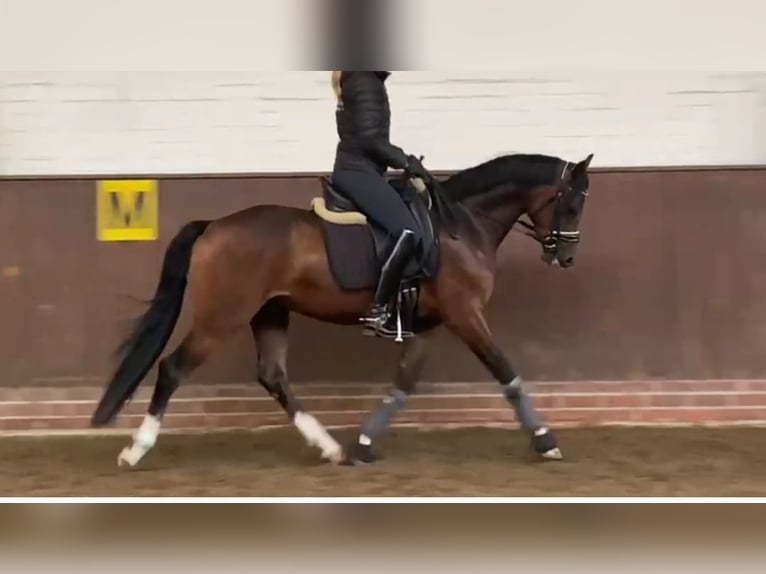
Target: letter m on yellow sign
[(127, 210)]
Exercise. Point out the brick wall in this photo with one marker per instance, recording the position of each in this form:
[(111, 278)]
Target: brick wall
[(208, 122), (561, 404)]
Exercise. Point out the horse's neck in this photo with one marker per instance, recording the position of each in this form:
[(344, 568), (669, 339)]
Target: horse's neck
[(496, 212)]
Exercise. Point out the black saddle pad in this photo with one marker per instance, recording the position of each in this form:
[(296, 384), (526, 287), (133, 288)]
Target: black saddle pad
[(356, 253)]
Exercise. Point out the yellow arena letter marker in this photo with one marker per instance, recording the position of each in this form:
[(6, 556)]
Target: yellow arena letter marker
[(127, 210)]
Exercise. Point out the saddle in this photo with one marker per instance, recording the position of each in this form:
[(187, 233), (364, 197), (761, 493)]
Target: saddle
[(357, 248)]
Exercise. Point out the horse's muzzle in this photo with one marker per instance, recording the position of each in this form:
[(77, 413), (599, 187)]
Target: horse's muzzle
[(555, 261)]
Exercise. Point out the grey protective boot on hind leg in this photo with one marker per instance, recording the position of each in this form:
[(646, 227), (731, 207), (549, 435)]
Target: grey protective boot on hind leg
[(389, 282)]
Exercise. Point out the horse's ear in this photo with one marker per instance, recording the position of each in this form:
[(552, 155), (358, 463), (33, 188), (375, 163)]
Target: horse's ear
[(582, 168), (335, 80)]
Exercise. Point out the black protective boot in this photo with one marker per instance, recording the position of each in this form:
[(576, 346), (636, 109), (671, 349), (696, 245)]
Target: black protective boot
[(388, 284)]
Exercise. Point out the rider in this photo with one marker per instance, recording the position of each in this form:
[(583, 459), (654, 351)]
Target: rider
[(363, 155)]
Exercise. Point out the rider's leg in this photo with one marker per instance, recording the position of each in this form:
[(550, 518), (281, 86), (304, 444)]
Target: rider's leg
[(382, 204), (402, 323), (390, 279)]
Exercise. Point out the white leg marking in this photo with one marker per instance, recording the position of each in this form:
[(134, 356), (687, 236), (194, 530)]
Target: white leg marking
[(316, 435), (143, 440)]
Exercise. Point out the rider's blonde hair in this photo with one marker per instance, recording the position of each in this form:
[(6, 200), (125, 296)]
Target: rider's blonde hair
[(336, 84)]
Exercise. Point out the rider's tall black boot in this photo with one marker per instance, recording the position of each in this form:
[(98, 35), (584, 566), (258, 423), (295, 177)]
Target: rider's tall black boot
[(390, 278), (401, 321)]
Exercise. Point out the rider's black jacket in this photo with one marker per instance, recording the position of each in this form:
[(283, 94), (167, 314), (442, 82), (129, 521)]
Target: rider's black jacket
[(364, 124)]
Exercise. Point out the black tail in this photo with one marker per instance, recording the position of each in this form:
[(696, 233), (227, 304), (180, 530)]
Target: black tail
[(143, 346)]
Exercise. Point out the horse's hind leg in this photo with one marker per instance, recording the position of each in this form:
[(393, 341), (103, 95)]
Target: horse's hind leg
[(189, 355), (269, 328)]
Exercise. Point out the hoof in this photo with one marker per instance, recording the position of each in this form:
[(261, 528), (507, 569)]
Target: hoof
[(544, 444), (335, 456), (360, 454), (131, 456), (553, 454), (126, 458)]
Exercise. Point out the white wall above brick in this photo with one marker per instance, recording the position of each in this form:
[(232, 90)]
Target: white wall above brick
[(193, 122)]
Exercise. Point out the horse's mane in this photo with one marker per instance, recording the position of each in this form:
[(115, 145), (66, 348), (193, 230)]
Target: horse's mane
[(524, 169)]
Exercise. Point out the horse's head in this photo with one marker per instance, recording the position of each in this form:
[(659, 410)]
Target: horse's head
[(556, 210)]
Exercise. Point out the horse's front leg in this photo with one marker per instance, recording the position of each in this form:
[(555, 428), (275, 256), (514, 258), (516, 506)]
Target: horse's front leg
[(471, 326), (378, 421)]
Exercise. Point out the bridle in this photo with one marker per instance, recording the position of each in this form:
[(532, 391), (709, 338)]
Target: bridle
[(555, 236)]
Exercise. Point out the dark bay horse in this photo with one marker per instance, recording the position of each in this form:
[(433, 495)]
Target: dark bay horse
[(254, 267)]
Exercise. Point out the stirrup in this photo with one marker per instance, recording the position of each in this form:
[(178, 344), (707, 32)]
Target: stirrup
[(391, 325), (375, 320), (378, 314)]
